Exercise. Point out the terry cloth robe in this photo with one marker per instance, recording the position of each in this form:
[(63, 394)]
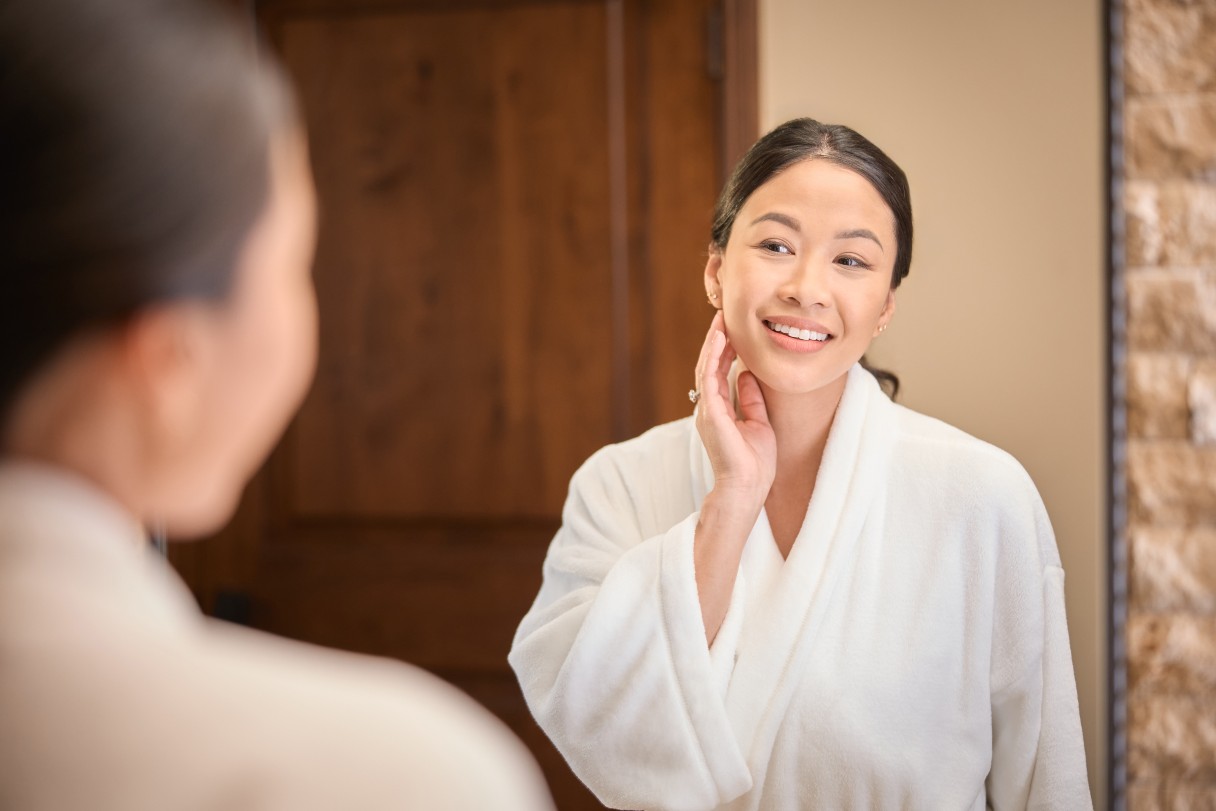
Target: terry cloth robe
[(116, 694), (911, 652)]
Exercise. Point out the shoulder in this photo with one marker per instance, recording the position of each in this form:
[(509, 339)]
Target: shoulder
[(361, 727), (663, 445), (952, 457), (955, 473), (229, 717), (660, 456)]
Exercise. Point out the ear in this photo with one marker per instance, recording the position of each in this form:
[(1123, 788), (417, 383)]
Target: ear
[(167, 362), (887, 313), (713, 285)]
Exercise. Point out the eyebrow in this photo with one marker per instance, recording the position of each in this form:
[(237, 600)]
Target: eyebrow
[(784, 219), (794, 225), (862, 233)]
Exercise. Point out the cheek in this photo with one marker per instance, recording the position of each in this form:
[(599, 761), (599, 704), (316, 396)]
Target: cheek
[(737, 298), (734, 316), (867, 310), (271, 358), (288, 347), (303, 338)]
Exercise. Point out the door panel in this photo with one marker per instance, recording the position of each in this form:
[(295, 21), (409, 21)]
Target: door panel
[(515, 208), (464, 265)]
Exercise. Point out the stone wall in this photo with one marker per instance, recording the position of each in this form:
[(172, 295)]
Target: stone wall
[(1170, 187)]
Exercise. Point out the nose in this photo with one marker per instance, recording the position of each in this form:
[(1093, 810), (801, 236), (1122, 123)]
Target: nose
[(806, 285)]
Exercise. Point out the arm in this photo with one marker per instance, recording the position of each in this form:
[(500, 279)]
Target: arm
[(1038, 756), (743, 452), (612, 656)]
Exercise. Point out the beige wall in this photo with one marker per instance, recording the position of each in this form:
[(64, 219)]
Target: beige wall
[(995, 112)]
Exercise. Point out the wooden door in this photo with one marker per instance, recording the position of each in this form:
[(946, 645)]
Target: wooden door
[(515, 203)]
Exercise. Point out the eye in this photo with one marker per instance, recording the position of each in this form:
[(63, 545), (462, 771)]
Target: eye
[(852, 262), (773, 246)]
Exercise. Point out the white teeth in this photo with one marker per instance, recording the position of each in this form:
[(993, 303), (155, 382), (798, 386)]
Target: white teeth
[(794, 332)]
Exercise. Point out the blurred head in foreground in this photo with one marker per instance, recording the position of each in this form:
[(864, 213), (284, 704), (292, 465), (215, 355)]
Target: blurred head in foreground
[(157, 223)]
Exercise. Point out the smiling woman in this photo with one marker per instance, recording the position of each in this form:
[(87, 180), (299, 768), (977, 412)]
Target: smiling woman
[(780, 281), (803, 139), (805, 595)]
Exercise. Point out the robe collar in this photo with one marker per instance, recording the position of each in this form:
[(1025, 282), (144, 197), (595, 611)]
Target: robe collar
[(59, 532), (853, 472)]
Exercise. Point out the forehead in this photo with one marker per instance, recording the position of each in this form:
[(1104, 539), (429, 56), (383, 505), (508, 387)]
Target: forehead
[(821, 192)]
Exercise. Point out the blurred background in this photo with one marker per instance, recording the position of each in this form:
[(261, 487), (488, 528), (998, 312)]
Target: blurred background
[(516, 200)]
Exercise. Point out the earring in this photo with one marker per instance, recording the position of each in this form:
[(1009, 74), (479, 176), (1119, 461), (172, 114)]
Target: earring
[(882, 327), (712, 298)]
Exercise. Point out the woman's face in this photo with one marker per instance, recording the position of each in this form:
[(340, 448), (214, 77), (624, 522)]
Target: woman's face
[(257, 349), (805, 280)]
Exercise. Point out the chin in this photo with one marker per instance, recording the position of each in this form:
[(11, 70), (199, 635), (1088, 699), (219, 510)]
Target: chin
[(205, 513), (798, 380)]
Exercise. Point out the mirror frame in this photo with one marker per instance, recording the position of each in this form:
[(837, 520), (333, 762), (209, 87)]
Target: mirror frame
[(1116, 412)]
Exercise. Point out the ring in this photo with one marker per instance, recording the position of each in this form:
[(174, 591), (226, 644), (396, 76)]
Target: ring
[(694, 395)]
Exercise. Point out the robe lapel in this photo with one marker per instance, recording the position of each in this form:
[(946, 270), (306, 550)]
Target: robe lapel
[(772, 654)]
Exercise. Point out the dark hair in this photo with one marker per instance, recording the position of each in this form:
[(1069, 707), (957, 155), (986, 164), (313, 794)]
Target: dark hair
[(804, 139), (134, 160)]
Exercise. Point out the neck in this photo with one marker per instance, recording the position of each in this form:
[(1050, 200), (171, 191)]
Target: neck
[(62, 419), (801, 423)]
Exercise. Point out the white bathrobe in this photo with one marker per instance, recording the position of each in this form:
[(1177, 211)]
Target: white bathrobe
[(911, 653), (117, 695)]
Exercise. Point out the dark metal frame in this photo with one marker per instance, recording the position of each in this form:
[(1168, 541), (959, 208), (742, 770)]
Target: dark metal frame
[(1117, 561)]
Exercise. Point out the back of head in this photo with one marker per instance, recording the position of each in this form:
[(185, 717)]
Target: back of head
[(134, 148)]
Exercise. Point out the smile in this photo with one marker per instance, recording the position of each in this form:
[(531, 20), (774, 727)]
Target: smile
[(794, 332)]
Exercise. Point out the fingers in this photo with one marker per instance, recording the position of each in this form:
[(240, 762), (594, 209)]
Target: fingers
[(717, 325), (710, 381), (751, 399), (726, 358)]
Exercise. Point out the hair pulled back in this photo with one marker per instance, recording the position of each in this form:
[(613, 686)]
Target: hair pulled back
[(134, 160), (805, 139)]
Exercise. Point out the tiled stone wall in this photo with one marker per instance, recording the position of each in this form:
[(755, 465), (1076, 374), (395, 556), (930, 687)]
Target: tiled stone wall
[(1170, 150)]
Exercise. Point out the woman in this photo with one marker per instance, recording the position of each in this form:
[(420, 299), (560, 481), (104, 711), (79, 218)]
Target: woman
[(158, 321), (806, 596)]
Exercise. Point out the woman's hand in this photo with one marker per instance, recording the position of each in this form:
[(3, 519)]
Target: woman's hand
[(741, 446), (743, 452)]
